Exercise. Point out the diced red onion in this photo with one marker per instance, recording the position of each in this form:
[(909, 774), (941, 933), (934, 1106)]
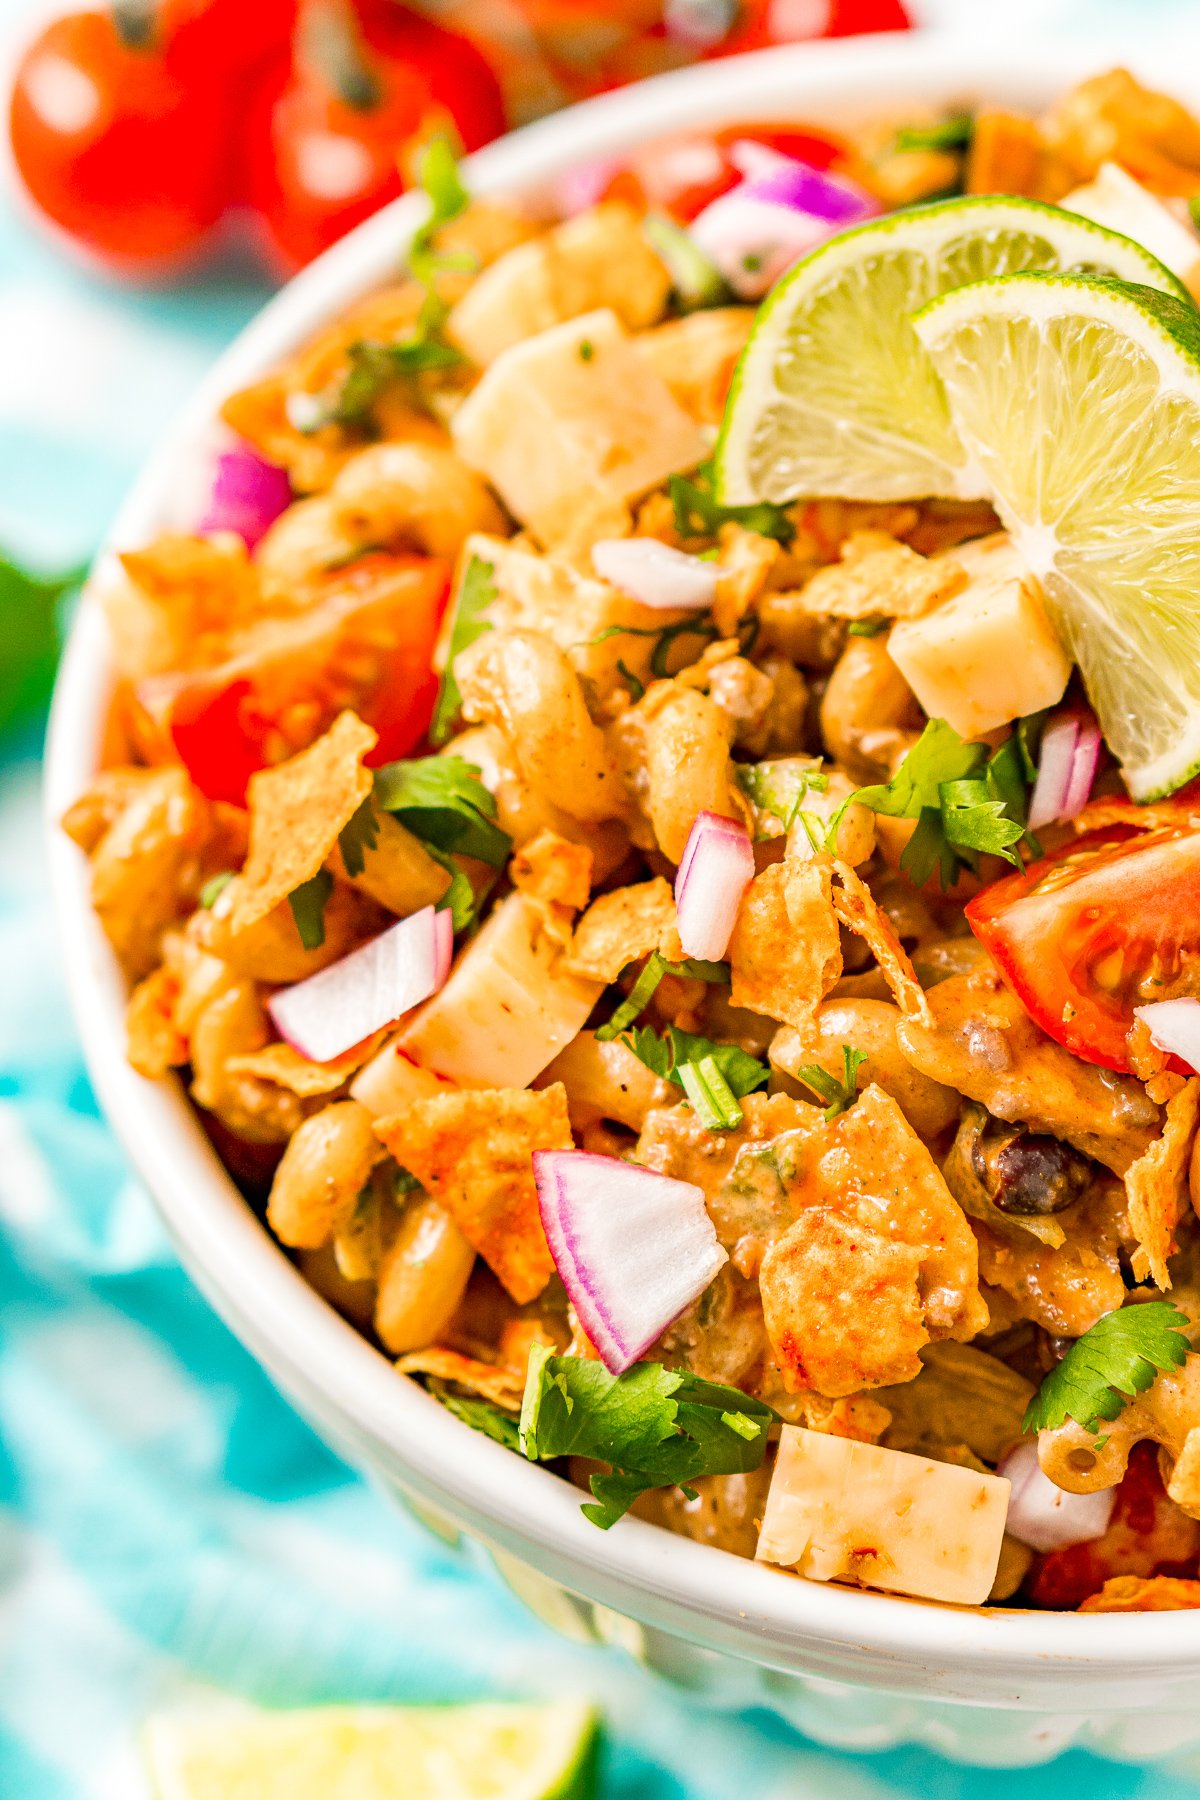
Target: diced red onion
[(657, 575), (1045, 1516), (248, 495), (781, 211), (372, 987), (1067, 762), (1174, 1026), (716, 868), (633, 1248), (752, 158)]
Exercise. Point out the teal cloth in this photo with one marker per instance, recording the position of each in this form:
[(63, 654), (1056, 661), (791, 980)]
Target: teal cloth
[(169, 1529)]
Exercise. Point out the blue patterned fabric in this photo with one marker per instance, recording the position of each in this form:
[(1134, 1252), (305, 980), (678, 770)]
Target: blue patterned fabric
[(168, 1528)]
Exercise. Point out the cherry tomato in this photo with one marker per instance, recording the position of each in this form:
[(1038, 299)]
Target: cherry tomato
[(796, 21), (224, 37), (1147, 1535), (326, 133), (1101, 926), (114, 145), (367, 643)]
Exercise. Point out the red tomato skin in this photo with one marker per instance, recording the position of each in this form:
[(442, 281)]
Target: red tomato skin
[(457, 74), (1047, 969), (367, 643), (224, 38), (1147, 1535), (115, 147)]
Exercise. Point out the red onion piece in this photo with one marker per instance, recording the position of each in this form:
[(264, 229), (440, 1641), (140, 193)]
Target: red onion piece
[(585, 186), (343, 1004), (248, 495), (633, 1248), (1067, 764), (716, 868), (1042, 1514), (1174, 1026), (782, 210), (656, 574)]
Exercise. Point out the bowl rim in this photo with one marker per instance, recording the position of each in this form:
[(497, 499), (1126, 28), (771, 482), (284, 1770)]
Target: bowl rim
[(658, 1576)]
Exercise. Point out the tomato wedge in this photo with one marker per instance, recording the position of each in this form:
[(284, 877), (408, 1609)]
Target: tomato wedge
[(1107, 923), (366, 643)]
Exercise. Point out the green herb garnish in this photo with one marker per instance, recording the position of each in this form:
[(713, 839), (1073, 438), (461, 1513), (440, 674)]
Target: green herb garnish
[(308, 908), (359, 834), (698, 513), (442, 801), (480, 1415), (779, 787), (693, 1063), (655, 1427), (966, 802), (476, 592), (1115, 1359), (837, 1095), (644, 988), (867, 628)]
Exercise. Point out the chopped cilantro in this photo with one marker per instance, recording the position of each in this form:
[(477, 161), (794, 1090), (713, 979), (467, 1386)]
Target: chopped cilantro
[(695, 279), (778, 788), (837, 1095), (1115, 1359), (698, 513), (213, 888), (867, 627), (965, 801), (586, 350), (1193, 207), (643, 990), (359, 834), (954, 133), (480, 1415), (438, 176), (441, 800), (636, 685), (476, 592), (675, 1056), (654, 1427), (308, 908)]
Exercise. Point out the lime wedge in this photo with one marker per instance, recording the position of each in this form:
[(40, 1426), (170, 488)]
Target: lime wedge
[(834, 395), (376, 1753), (1079, 400)]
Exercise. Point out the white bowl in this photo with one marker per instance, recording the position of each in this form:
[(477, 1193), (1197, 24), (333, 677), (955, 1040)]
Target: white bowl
[(858, 1669)]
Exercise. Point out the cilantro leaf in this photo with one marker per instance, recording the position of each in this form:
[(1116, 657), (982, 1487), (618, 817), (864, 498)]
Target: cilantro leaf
[(837, 1095), (373, 365), (1115, 1359), (308, 908), (441, 800), (655, 1427), (480, 1415), (644, 988), (29, 632), (779, 787), (954, 133), (693, 1063), (698, 512), (359, 834), (966, 802), (476, 592), (867, 628), (460, 897)]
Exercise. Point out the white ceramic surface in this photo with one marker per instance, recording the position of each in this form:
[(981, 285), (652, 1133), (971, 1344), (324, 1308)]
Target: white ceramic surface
[(851, 1668)]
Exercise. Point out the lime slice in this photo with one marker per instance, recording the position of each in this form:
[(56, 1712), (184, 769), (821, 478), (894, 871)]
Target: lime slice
[(376, 1753), (1079, 400), (834, 395)]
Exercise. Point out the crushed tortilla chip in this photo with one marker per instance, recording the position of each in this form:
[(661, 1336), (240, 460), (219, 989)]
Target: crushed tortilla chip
[(286, 1068), (620, 928), (1114, 809), (175, 604), (555, 874), (746, 561), (1112, 118), (1010, 154), (502, 1386), (153, 1041), (1184, 1486), (861, 913), (785, 953), (1144, 1593), (1156, 1186), (880, 578), (473, 1151), (297, 810), (856, 1416)]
